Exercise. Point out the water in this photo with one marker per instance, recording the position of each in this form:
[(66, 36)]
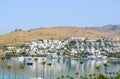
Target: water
[(59, 67)]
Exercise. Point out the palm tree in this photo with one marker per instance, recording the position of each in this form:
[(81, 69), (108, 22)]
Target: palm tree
[(117, 75), (114, 74), (110, 74), (98, 69), (77, 73), (101, 76), (43, 63), (62, 76), (94, 75), (36, 60), (22, 67), (90, 76), (14, 54), (106, 66), (71, 77), (67, 76), (81, 63), (58, 77), (3, 63), (9, 69), (49, 64)]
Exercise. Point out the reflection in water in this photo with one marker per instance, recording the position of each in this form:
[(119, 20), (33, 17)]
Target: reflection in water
[(59, 67)]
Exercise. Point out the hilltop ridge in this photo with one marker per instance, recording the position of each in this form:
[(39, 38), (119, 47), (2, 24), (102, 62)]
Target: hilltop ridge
[(106, 28)]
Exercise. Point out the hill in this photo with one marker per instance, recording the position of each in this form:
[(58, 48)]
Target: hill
[(19, 37), (113, 30), (106, 28)]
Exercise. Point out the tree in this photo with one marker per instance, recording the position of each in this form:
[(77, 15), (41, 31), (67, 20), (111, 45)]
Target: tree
[(58, 77), (106, 66), (72, 43), (43, 63), (98, 69), (113, 74), (94, 75), (62, 76), (22, 67), (67, 46), (23, 53), (77, 73), (81, 63), (90, 76), (14, 54), (101, 76), (9, 69), (49, 64), (58, 53), (67, 76), (117, 75), (110, 73), (66, 52), (36, 60), (3, 63), (71, 77)]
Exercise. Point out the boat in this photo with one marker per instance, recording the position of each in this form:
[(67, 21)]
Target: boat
[(99, 57), (92, 57), (8, 56), (21, 59), (52, 55), (29, 61)]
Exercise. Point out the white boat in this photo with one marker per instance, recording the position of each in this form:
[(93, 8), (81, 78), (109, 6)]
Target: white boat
[(52, 55), (104, 57), (93, 57), (99, 57), (21, 59)]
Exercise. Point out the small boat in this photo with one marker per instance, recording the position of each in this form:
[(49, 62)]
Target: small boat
[(21, 59), (29, 61), (99, 57), (92, 57), (8, 56), (52, 56)]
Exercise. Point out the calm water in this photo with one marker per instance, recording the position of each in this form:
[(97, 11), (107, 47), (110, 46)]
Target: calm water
[(59, 67)]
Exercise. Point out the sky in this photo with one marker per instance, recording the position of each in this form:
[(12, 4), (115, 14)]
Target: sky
[(30, 14)]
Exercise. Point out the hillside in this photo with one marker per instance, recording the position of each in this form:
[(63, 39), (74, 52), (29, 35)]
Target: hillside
[(19, 37), (106, 28), (113, 30)]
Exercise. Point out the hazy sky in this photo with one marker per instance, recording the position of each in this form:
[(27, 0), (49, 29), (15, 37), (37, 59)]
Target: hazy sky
[(27, 14)]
